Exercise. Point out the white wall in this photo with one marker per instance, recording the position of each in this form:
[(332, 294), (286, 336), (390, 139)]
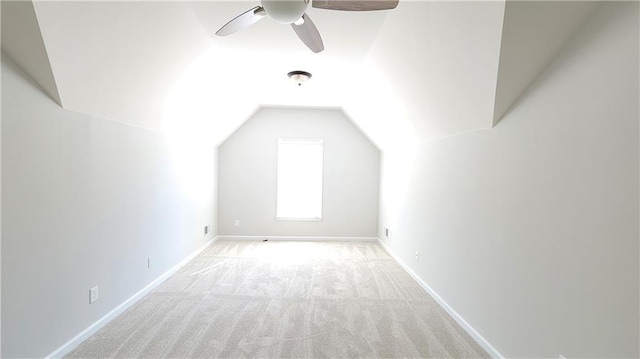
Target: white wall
[(529, 230), (0, 207), (85, 201), (247, 176)]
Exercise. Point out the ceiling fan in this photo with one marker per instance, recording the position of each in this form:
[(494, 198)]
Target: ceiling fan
[(294, 12)]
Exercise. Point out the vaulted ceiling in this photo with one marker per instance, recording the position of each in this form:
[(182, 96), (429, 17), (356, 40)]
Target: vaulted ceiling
[(424, 70)]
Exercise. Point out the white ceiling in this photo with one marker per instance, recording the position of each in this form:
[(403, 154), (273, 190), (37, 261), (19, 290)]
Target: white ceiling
[(20, 28), (441, 58), (424, 70), (533, 33)]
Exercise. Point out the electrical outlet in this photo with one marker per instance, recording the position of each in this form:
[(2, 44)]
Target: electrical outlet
[(236, 223), (93, 295), (149, 262), (206, 230), (417, 255)]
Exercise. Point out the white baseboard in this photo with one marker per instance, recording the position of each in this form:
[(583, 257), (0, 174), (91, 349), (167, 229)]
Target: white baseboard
[(67, 347), (297, 238), (463, 323), (93, 328)]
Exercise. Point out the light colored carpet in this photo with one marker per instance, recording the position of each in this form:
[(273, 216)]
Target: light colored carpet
[(285, 299)]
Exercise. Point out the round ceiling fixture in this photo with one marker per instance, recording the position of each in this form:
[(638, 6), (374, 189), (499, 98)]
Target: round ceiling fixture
[(285, 11), (299, 76)]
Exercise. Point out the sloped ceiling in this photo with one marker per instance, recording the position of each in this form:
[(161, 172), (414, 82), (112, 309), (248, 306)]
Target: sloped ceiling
[(441, 58), (425, 70), (533, 33), (19, 28)]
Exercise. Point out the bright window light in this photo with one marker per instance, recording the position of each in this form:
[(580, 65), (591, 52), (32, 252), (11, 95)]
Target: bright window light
[(299, 179)]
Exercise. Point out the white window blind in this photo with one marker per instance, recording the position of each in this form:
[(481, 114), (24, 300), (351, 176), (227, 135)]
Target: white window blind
[(299, 192)]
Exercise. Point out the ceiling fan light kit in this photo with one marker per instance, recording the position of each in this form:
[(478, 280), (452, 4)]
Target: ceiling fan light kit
[(293, 12), (285, 11)]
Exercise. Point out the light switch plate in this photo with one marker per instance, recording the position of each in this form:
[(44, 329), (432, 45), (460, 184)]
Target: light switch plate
[(93, 295)]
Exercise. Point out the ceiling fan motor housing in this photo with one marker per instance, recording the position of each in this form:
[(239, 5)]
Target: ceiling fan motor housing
[(285, 11)]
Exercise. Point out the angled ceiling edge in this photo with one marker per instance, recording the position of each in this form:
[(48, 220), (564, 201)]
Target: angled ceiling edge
[(341, 110), (533, 34), (22, 41)]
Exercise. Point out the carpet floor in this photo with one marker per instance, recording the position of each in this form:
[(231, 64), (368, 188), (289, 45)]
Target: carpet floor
[(281, 299)]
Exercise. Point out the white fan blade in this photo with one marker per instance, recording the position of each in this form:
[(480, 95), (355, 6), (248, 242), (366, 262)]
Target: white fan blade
[(308, 33), (241, 21)]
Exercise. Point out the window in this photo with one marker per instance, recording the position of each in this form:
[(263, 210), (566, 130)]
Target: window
[(299, 192)]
